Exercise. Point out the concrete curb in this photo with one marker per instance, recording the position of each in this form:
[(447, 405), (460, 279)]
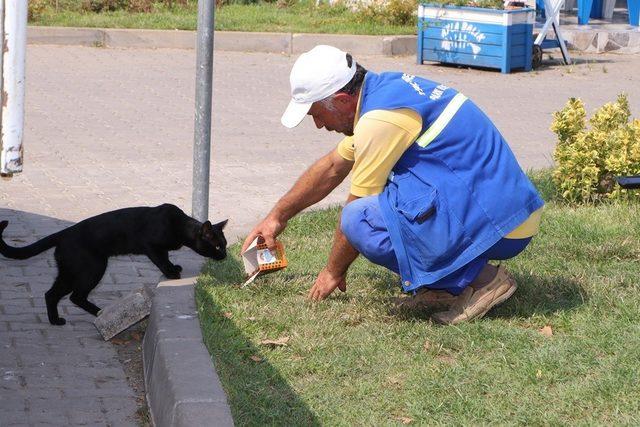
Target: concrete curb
[(583, 39), (283, 43), (181, 383)]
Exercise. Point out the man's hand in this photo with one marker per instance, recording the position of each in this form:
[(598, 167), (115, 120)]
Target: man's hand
[(314, 185), (325, 284), (268, 229)]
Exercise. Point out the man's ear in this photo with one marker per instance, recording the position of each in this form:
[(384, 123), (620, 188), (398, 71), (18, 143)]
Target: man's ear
[(345, 103), (221, 225), (342, 98)]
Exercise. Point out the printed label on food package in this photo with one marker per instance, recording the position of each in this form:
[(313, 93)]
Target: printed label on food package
[(265, 257)]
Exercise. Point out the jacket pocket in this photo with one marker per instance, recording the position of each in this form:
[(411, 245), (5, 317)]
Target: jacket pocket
[(420, 209), (432, 236)]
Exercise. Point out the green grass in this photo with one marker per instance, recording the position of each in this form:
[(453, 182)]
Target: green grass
[(302, 17), (179, 19), (354, 359)]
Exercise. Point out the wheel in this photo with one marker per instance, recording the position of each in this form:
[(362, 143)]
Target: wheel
[(536, 58)]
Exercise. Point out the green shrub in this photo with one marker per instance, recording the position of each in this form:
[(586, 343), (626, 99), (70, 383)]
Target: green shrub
[(394, 12), (36, 8), (403, 12), (243, 2), (485, 4), (104, 5), (588, 159)]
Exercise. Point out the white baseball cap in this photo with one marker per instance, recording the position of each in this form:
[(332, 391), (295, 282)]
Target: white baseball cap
[(316, 75)]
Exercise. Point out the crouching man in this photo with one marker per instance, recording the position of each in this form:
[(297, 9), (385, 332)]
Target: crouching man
[(435, 190)]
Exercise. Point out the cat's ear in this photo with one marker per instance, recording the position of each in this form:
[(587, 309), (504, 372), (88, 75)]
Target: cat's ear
[(206, 228), (221, 225)]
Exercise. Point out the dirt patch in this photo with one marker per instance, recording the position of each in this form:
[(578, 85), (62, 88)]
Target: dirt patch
[(128, 345)]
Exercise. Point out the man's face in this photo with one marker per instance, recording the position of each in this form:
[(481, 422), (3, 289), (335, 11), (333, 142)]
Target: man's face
[(336, 114)]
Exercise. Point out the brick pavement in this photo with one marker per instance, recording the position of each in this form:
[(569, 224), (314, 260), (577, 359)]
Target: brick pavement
[(108, 128)]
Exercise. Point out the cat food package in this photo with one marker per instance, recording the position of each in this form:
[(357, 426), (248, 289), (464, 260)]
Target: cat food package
[(259, 260)]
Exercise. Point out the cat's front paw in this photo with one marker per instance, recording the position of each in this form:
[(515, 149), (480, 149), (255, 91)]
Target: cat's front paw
[(58, 322), (178, 268), (173, 275)]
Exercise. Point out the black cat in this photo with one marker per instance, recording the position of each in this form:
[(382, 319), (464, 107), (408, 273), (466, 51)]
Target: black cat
[(82, 250)]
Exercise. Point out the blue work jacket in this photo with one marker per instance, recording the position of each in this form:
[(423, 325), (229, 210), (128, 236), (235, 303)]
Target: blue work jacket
[(457, 190)]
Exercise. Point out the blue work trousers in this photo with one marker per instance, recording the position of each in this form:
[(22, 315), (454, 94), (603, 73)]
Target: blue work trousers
[(363, 225)]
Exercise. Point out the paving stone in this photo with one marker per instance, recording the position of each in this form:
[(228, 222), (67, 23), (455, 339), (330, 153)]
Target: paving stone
[(12, 272), (123, 391), (30, 326), (6, 295), (24, 317), (13, 416), (123, 313), (621, 39), (12, 401), (611, 46), (53, 358), (40, 393), (113, 404), (87, 417), (46, 410), (31, 262), (581, 40), (25, 337), (19, 309)]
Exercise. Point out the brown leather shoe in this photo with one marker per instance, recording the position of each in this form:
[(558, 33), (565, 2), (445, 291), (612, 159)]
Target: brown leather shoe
[(474, 303), (427, 298)]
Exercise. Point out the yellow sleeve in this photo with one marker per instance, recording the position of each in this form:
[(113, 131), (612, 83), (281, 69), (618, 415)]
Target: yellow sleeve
[(345, 149), (379, 140)]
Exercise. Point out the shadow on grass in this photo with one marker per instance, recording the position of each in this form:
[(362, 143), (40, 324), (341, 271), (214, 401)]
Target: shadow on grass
[(535, 295), (542, 295), (257, 393)]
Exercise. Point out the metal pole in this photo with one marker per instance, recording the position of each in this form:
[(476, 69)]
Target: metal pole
[(202, 133), (13, 29)]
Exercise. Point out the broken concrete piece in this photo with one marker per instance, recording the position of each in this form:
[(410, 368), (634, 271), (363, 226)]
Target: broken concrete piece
[(123, 313), (187, 281)]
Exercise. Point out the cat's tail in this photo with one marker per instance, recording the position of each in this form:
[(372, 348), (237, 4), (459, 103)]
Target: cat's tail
[(27, 251)]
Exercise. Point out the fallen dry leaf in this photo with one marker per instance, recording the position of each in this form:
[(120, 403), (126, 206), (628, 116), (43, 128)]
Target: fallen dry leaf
[(228, 314), (256, 359), (252, 319), (136, 335), (446, 358), (404, 420), (394, 381), (546, 331), (282, 341), (426, 346), (539, 374), (119, 341)]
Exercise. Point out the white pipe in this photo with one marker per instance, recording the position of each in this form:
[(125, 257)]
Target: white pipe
[(14, 44)]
